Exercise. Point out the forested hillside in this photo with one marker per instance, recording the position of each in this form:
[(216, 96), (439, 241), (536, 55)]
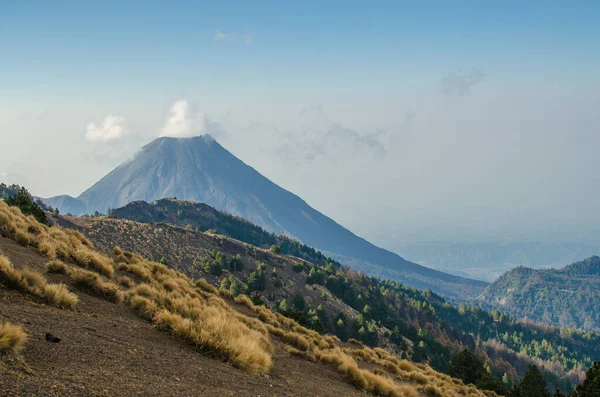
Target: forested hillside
[(568, 297), (418, 324)]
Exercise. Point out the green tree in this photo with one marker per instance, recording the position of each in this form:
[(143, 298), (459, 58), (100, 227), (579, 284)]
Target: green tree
[(256, 279), (315, 276), (467, 367), (591, 386), (276, 249), (235, 288), (533, 384), (225, 283), (298, 267), (236, 263), (299, 302), (23, 200), (211, 267)]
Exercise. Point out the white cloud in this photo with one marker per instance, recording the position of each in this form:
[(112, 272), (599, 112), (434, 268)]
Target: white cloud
[(461, 84), (182, 121), (247, 38), (222, 36), (111, 128)]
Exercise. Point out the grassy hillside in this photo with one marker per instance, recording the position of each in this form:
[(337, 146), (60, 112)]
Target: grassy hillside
[(79, 321), (567, 297), (418, 325)]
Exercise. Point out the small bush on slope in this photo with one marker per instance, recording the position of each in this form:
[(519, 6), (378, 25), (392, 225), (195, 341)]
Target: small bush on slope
[(12, 337)]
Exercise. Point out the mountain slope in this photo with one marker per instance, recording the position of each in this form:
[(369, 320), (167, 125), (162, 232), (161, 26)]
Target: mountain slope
[(419, 325), (564, 297), (131, 326), (200, 169)]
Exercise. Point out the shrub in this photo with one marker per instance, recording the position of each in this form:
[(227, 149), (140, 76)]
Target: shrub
[(12, 337)]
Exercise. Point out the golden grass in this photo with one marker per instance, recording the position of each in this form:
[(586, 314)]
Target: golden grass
[(92, 282), (216, 331), (12, 337), (91, 260), (59, 295), (125, 282), (297, 340), (56, 266), (35, 284), (22, 238), (202, 283), (196, 312)]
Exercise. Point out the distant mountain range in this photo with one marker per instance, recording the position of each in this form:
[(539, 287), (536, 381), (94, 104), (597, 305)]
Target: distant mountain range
[(200, 169), (564, 297), (488, 260)]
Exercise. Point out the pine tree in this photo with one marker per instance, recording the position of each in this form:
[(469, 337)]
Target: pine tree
[(467, 367), (533, 384), (591, 386)]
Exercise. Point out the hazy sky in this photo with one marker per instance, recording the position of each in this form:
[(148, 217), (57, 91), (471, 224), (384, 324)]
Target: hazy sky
[(401, 120)]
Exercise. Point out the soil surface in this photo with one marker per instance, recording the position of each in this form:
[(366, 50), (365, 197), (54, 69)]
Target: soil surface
[(107, 350)]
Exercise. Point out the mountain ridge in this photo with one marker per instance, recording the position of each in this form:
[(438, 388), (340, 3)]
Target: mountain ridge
[(563, 297)]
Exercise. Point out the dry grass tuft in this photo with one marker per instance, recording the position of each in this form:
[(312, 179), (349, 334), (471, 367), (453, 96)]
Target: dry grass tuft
[(57, 267), (202, 283), (91, 281), (8, 275), (126, 282), (146, 307), (295, 339), (34, 283), (22, 238), (246, 301), (91, 260), (12, 337), (433, 391), (216, 331), (59, 295)]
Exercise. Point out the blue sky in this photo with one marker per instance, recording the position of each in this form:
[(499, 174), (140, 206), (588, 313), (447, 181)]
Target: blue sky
[(336, 46), (452, 119)]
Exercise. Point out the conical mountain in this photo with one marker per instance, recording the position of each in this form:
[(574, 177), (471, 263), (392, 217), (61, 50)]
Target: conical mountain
[(200, 169)]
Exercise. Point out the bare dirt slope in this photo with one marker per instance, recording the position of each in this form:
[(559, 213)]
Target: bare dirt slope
[(108, 350)]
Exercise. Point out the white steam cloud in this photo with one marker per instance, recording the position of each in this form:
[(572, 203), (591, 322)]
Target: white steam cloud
[(110, 129), (182, 121)]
